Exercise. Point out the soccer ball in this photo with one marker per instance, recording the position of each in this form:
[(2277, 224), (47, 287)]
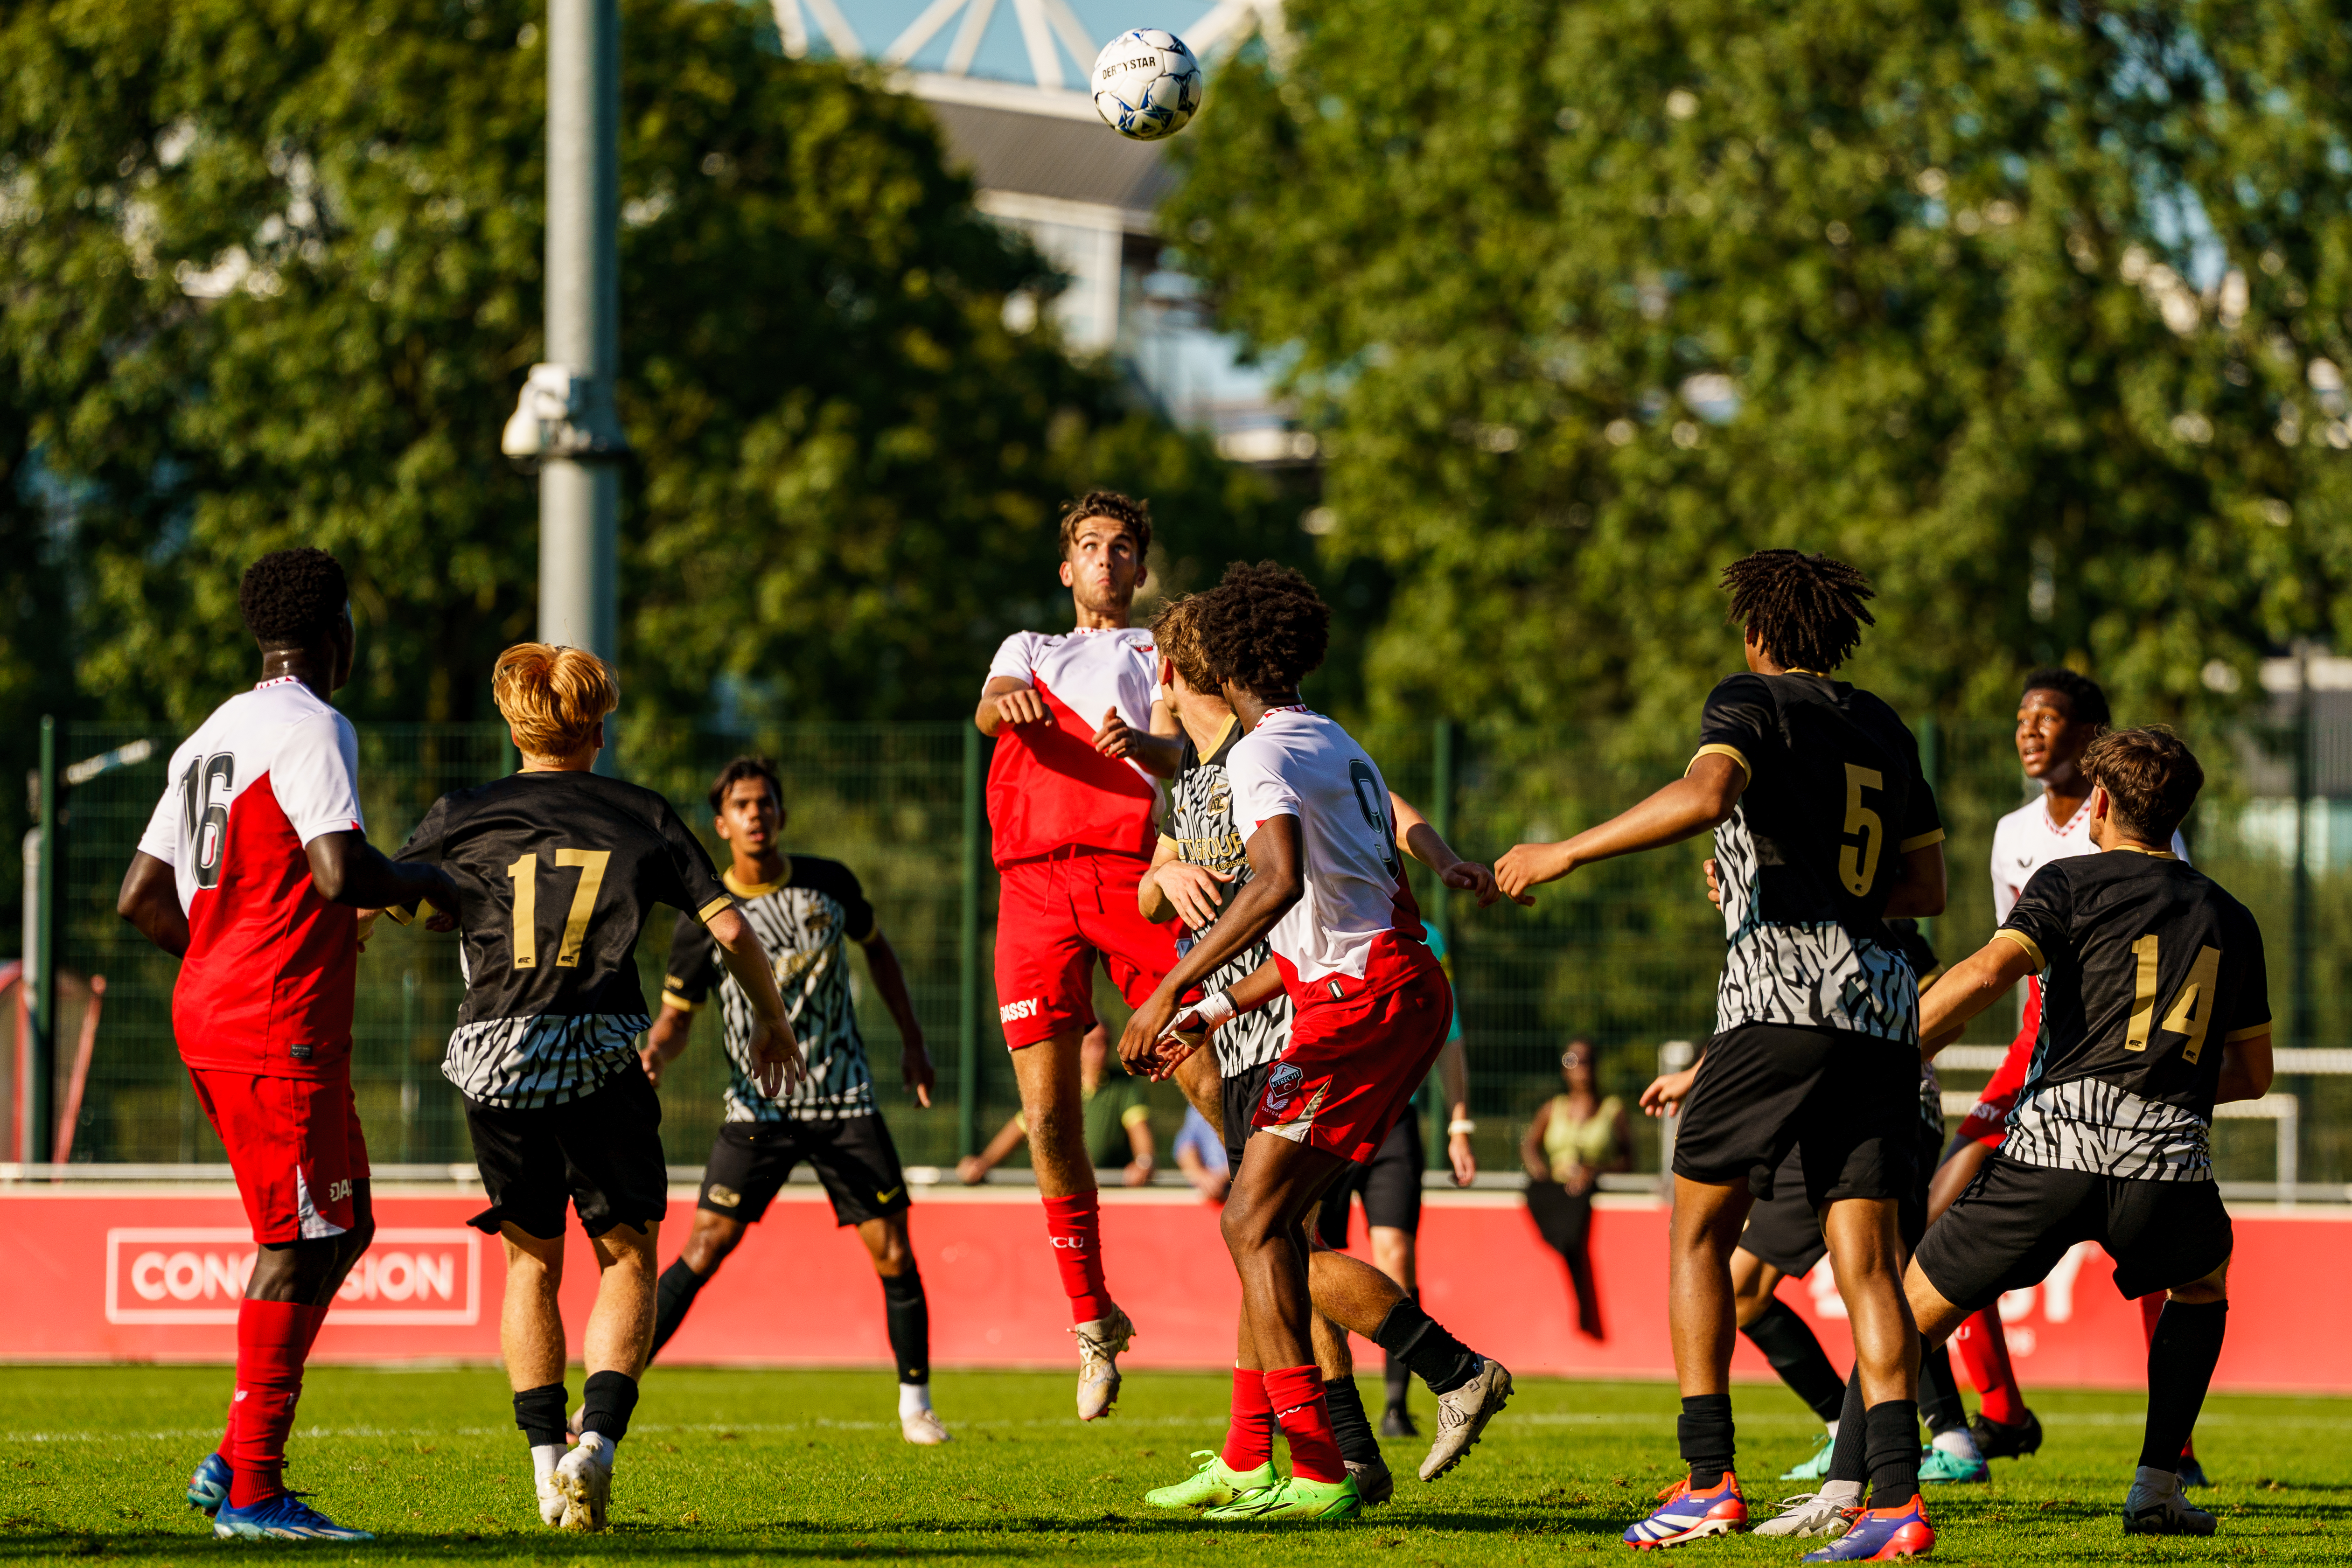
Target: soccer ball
[(1146, 83)]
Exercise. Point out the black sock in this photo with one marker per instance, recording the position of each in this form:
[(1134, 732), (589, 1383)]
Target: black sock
[(2179, 1365), (1704, 1430), (1939, 1393), (609, 1396), (672, 1296), (908, 1315), (1892, 1438), (1395, 1373), (1846, 1462), (1788, 1343), (540, 1413), (1357, 1444), (1421, 1341)]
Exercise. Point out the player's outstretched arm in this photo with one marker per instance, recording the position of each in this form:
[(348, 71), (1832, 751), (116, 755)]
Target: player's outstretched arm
[(1423, 843), (915, 1067), (1157, 755), (346, 869), (1689, 806), (666, 1041), (1007, 701), (2245, 1069), (150, 900), (1175, 887), (778, 1054), (1275, 884), (1969, 986)]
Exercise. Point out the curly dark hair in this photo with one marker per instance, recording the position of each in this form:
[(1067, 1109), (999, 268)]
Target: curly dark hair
[(744, 768), (293, 598), (2086, 701), (1264, 628), (1806, 611), (1133, 514)]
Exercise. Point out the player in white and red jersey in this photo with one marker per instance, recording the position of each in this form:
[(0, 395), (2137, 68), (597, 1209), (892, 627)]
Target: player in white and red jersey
[(252, 872), (2058, 716), (1081, 742), (1327, 890)]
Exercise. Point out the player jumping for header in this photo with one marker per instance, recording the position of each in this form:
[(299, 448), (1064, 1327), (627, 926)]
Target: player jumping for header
[(1824, 826), (803, 909), (2155, 1009), (1081, 738), (557, 870), (252, 873), (1369, 1009)]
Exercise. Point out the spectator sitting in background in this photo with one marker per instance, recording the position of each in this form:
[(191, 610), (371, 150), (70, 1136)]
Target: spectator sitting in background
[(1118, 1122), (1200, 1154), (1575, 1137)]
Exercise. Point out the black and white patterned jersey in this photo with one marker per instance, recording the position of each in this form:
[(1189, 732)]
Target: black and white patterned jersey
[(1906, 939), (801, 919), (556, 875), (1834, 800), (1202, 831), (2148, 968)]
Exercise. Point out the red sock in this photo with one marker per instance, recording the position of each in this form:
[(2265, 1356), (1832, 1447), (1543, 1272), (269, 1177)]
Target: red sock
[(271, 1340), (1304, 1414), (1249, 1437), (1074, 1224), (1983, 1350)]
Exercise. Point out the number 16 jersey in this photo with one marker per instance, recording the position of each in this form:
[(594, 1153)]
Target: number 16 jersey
[(1834, 800), (556, 874)]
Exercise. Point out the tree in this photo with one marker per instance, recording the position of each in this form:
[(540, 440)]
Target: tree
[(2036, 312)]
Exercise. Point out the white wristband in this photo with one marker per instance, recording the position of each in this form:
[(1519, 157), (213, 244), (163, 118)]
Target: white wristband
[(1216, 1008), (1460, 1127)]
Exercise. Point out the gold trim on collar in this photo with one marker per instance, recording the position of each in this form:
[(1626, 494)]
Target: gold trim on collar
[(1793, 670), (2152, 854), (1224, 733), (756, 889)]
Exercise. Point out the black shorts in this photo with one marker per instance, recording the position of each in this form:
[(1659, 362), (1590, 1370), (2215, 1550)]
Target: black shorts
[(1242, 1093), (853, 1157), (1850, 1102), (1390, 1185), (603, 1153), (2009, 1230), (1785, 1231)]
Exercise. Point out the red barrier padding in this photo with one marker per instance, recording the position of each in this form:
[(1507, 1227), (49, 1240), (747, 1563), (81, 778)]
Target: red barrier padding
[(154, 1275)]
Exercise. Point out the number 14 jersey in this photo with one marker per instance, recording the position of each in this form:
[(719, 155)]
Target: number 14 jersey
[(556, 874), (1834, 800)]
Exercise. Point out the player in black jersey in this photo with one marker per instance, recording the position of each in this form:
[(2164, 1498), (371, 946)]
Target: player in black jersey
[(2155, 1009), (557, 870), (805, 910), (1824, 827)]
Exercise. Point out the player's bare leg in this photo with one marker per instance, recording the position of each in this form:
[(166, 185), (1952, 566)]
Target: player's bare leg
[(616, 1346), (1047, 1073)]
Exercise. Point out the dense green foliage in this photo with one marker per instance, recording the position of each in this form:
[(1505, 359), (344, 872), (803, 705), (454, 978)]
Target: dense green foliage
[(272, 276), (1588, 299)]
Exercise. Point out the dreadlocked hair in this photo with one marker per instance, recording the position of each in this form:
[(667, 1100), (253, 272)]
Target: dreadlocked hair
[(292, 598), (1264, 628), (1805, 611)]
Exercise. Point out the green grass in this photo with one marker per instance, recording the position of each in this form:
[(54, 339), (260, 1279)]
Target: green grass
[(734, 1467)]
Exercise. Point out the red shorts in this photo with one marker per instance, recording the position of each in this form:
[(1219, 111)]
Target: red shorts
[(1053, 918), (1355, 1061), (1987, 1122), (295, 1145)]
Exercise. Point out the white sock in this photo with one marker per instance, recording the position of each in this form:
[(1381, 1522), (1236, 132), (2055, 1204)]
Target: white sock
[(1845, 1494), (599, 1447), (543, 1459), (1960, 1444), (914, 1398), (2163, 1483), (1832, 1431)]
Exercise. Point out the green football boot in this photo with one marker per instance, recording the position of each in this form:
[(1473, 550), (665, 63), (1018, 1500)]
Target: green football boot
[(1211, 1483), (1817, 1467), (1308, 1502), (1942, 1465)]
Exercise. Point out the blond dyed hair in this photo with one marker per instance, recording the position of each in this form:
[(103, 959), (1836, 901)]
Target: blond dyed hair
[(553, 696), (1177, 631)]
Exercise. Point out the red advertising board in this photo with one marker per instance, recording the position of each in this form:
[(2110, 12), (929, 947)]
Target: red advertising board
[(147, 1274)]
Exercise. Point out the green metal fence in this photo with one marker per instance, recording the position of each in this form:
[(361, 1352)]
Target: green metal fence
[(1626, 953)]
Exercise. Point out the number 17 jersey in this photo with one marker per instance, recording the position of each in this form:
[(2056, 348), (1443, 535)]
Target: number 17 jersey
[(556, 874), (1834, 800)]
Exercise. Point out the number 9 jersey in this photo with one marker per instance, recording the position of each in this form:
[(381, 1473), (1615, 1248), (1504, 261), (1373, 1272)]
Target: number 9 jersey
[(1834, 800), (557, 873)]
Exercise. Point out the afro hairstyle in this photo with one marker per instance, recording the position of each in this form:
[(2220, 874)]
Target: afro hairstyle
[(293, 598), (1264, 628)]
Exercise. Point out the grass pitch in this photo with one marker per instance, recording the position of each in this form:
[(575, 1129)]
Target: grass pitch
[(736, 1467)]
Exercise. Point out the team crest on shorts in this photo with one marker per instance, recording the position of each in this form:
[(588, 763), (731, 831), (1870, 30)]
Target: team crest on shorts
[(1281, 1086), (725, 1196)]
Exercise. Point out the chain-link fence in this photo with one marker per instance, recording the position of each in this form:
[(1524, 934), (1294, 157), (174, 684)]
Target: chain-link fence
[(1626, 953)]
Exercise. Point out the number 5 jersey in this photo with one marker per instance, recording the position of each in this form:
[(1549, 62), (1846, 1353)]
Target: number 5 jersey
[(556, 874), (1834, 800)]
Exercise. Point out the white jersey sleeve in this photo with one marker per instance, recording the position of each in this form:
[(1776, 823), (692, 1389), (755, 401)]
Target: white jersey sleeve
[(1259, 793), (1017, 658), (167, 828), (315, 776)]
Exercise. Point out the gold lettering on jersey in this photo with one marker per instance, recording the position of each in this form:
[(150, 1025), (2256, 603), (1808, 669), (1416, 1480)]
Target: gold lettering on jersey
[(1858, 864), (524, 874), (2193, 1009), (2143, 1018), (1222, 850), (591, 865)]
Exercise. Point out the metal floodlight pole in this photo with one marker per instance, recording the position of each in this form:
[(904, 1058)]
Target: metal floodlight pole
[(579, 484), (40, 971)]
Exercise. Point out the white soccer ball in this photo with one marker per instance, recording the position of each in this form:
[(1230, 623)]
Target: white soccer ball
[(1146, 83)]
